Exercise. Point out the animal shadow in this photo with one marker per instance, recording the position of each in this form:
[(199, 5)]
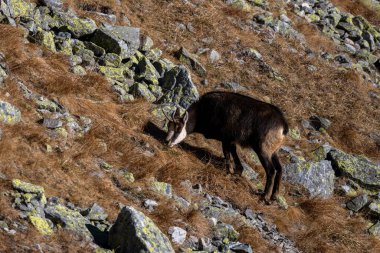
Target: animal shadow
[(100, 237), (202, 154)]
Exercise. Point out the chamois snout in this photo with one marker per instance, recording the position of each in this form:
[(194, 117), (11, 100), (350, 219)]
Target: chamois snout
[(177, 130)]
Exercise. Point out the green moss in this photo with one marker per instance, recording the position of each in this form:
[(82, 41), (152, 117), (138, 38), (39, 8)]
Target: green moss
[(162, 188), (41, 225), (113, 73), (27, 187), (20, 8), (9, 114), (129, 176)]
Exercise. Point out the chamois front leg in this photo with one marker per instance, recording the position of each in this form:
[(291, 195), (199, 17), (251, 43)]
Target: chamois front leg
[(238, 165), (227, 156)]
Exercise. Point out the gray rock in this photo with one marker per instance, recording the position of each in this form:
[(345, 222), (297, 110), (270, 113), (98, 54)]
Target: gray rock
[(178, 87), (214, 56), (9, 114), (178, 235), (53, 4), (142, 90), (316, 177), (357, 168), (135, 232), (70, 22), (67, 218), (150, 204), (357, 203), (222, 231), (52, 123), (374, 207), (318, 122), (95, 213), (240, 247), (231, 85), (185, 57), (121, 40), (375, 229)]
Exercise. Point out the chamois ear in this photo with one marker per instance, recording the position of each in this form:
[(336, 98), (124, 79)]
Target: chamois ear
[(185, 117)]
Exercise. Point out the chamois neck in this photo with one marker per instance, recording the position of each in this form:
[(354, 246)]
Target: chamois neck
[(191, 122)]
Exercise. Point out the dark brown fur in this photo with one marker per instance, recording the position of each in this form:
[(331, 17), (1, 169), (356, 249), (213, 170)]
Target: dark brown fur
[(237, 119)]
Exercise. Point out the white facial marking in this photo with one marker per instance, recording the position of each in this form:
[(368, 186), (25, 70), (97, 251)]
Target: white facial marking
[(180, 137)]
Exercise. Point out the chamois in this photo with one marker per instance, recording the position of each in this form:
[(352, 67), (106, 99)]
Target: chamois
[(233, 119)]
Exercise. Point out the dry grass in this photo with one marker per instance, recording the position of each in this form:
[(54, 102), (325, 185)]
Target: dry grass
[(71, 173), (365, 8)]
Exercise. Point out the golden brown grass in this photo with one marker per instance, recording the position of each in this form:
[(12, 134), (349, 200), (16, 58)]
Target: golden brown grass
[(117, 134), (365, 8)]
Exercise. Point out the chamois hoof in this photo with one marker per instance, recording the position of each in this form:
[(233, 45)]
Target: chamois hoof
[(266, 200)]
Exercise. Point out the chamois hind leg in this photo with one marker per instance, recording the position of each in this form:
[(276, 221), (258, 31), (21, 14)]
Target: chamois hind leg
[(270, 171), (277, 180), (227, 156), (238, 165)]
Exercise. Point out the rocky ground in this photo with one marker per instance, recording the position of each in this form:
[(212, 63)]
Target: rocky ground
[(85, 85)]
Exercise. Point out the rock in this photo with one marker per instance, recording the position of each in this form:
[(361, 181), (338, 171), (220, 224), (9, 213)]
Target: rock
[(120, 40), (178, 235), (223, 231), (135, 232), (359, 169), (129, 176), (79, 70), (357, 203), (252, 53), (239, 4), (319, 122), (374, 207), (113, 73), (18, 8), (95, 213), (87, 56), (316, 177), (27, 187), (150, 204), (162, 188), (375, 229), (231, 85), (249, 173), (67, 218), (9, 114), (78, 27), (3, 75), (146, 44), (185, 57), (321, 152), (214, 56), (240, 247), (147, 72), (178, 87), (142, 90), (52, 123), (41, 224), (53, 4), (109, 19), (112, 60), (97, 51)]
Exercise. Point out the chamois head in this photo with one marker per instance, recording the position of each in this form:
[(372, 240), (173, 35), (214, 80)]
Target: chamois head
[(176, 128)]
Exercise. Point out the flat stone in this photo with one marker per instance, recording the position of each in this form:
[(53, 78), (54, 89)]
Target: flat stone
[(9, 114), (357, 203), (121, 40)]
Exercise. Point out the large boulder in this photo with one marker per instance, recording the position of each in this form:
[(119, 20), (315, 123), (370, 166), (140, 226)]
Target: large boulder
[(17, 8), (316, 177), (178, 87), (135, 232), (78, 27), (69, 219), (358, 168), (8, 113), (121, 40)]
